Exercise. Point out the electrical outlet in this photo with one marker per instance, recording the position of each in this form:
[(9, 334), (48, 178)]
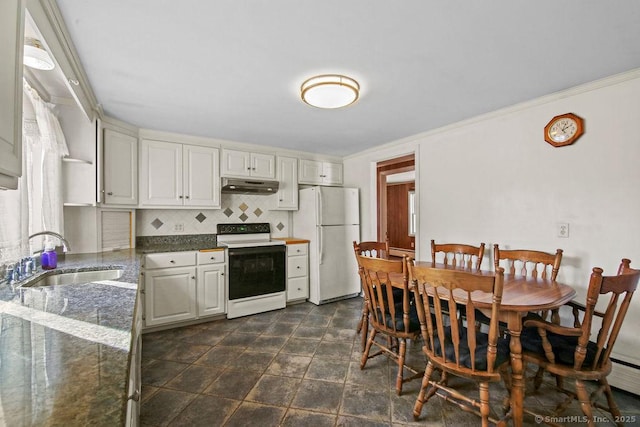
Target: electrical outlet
[(563, 229), (178, 227)]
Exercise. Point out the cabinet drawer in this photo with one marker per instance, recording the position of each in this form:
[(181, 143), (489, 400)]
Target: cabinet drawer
[(297, 266), (297, 249), (170, 259), (210, 257), (297, 288)]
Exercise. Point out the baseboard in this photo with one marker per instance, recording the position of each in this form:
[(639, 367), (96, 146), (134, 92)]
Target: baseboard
[(625, 377)]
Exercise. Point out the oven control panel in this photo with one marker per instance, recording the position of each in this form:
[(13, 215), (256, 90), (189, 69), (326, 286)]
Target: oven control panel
[(252, 228)]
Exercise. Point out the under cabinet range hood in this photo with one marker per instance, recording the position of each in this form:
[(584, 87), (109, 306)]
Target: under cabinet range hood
[(248, 186)]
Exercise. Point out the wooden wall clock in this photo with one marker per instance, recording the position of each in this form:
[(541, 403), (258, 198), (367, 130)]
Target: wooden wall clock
[(563, 130)]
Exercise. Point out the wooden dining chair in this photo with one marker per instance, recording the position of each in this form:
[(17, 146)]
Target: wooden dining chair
[(375, 250), (391, 313), (533, 263), (528, 262), (567, 352), (453, 349), (457, 254)]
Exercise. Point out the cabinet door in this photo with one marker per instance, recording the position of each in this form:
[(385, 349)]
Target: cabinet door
[(332, 173), (236, 163), (12, 36), (201, 176), (287, 198), (211, 289), (310, 172), (160, 173), (120, 168), (170, 295), (263, 166)]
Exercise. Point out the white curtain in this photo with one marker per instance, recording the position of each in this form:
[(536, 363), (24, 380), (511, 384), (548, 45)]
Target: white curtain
[(37, 204)]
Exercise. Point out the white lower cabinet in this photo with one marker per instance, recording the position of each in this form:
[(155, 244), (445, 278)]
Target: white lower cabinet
[(170, 295), (211, 290), (183, 286), (297, 272)]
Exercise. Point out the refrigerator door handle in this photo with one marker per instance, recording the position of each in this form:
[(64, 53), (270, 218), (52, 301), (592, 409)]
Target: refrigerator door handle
[(321, 246), (319, 207)]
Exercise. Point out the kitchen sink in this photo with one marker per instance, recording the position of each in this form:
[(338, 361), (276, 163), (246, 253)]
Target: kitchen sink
[(77, 277)]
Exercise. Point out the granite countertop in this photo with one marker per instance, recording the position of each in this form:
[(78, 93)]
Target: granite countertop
[(65, 349)]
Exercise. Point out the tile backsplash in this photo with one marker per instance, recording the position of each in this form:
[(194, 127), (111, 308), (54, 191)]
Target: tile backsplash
[(236, 208)]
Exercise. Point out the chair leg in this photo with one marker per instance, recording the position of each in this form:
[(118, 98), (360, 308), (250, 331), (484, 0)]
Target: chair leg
[(363, 323), (485, 411), (585, 402), (402, 351), (365, 330), (505, 373), (613, 407), (365, 353), (422, 399)]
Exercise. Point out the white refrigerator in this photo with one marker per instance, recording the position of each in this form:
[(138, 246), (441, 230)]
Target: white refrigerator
[(330, 218)]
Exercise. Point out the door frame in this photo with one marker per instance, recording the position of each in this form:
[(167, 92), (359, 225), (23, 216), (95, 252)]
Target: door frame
[(383, 169)]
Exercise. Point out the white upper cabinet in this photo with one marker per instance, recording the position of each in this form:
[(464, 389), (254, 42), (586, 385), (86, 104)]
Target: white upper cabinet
[(201, 175), (244, 164), (11, 34), (317, 172), (173, 174), (287, 196), (120, 168)]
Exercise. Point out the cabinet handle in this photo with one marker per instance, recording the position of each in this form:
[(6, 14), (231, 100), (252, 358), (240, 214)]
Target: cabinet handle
[(193, 277), (222, 274), (213, 258), (249, 168), (186, 197), (172, 261), (110, 193), (180, 197), (298, 267)]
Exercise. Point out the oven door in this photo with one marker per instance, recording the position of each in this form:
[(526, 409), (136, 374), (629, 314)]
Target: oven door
[(256, 271)]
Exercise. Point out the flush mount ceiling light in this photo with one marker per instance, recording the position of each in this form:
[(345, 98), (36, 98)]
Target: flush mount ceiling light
[(35, 56), (330, 91)]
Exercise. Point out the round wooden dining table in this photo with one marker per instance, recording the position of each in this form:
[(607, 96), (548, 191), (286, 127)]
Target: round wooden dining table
[(521, 295)]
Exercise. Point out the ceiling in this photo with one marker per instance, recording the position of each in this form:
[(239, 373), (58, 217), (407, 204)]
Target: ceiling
[(232, 70)]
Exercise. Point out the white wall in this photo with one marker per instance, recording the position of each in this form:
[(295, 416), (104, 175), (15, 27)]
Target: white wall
[(494, 179)]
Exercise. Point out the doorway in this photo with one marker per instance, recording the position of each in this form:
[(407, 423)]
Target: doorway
[(396, 213)]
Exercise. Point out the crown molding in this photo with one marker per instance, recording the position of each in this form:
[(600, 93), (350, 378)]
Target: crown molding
[(546, 99)]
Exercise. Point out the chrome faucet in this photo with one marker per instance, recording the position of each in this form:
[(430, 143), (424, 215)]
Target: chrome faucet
[(65, 243)]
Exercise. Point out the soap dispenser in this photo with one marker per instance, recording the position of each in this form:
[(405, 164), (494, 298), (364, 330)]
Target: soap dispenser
[(49, 258)]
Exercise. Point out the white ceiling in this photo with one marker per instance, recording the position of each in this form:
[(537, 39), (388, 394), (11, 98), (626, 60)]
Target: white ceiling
[(232, 69)]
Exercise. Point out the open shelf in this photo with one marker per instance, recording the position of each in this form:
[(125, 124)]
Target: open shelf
[(72, 160)]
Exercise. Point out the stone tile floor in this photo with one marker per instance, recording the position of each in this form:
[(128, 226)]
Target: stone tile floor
[(298, 367)]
